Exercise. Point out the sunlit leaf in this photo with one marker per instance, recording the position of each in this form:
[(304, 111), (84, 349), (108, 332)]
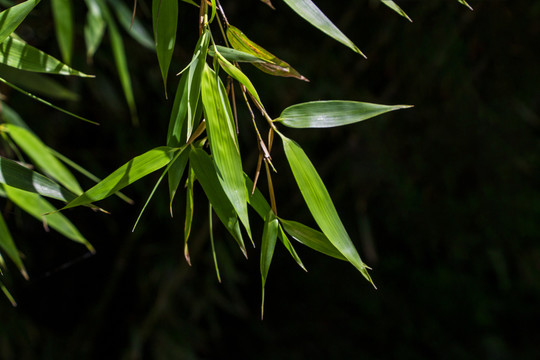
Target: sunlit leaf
[(465, 3), (324, 114), (235, 55), (8, 246), (392, 5), (42, 158), (62, 11), (239, 76), (13, 16), (135, 29), (18, 54), (37, 83), (224, 143), (268, 244), (310, 12), (36, 206), (205, 172), (271, 65), (189, 212), (20, 177), (320, 204), (127, 174), (165, 22), (94, 29)]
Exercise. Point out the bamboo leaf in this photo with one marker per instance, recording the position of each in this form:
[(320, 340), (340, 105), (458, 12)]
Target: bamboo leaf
[(224, 143), (136, 29), (7, 245), (38, 83), (189, 212), (239, 76), (62, 11), (175, 174), (465, 3), (7, 294), (392, 5), (268, 244), (271, 65), (235, 55), (311, 238), (94, 29), (36, 206), (211, 228), (324, 114), (165, 21), (20, 177), (13, 16), (310, 12), (42, 158), (127, 174), (320, 204), (20, 55), (205, 172)]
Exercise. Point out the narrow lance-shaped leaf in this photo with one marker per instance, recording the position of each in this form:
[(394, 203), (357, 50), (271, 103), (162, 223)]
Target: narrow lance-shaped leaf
[(13, 16), (127, 174), (20, 177), (211, 228), (224, 144), (324, 114), (235, 55), (268, 245), (465, 3), (136, 29), (7, 294), (392, 5), (62, 11), (20, 55), (310, 12), (94, 28), (205, 172), (189, 212), (165, 22), (36, 206), (320, 204), (239, 76), (8, 246), (42, 158), (271, 65)]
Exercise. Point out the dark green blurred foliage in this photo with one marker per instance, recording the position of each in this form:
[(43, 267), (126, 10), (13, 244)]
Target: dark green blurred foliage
[(442, 201)]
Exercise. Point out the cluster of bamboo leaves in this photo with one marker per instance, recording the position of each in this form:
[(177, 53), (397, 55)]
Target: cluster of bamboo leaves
[(202, 147)]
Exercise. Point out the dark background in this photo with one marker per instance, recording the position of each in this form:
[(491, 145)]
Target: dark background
[(442, 200)]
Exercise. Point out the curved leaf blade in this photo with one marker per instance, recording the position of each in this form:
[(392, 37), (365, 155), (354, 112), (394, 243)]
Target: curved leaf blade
[(320, 204), (94, 28), (268, 244), (8, 246), (136, 29), (325, 114), (165, 22), (463, 2), (11, 18), (239, 76), (392, 5), (310, 12), (62, 11), (235, 55)]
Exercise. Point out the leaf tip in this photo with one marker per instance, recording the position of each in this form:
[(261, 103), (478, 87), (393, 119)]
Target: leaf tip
[(24, 274)]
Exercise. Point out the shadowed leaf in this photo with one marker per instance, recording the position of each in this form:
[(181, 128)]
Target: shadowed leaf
[(392, 5), (94, 28), (13, 16), (165, 21), (268, 244), (8, 246), (235, 55), (136, 30), (62, 11)]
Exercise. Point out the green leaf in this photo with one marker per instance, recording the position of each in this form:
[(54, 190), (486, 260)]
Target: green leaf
[(320, 204), (12, 17), (136, 30), (310, 12), (205, 172), (239, 76), (127, 174), (20, 55), (270, 65), (224, 143), (311, 238), (94, 29), (392, 5), (324, 114), (42, 158), (465, 3), (165, 22), (189, 212), (38, 83), (175, 174), (36, 206), (268, 244), (62, 11), (7, 294), (235, 55), (20, 177), (211, 228), (7, 245)]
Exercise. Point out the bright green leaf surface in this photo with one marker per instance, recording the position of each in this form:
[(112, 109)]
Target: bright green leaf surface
[(324, 114), (239, 76), (20, 55), (235, 55), (165, 22), (20, 177), (8, 246), (224, 143), (36, 206), (94, 29), (268, 244), (465, 3), (136, 30), (62, 11), (270, 65), (40, 155), (127, 174), (320, 204), (392, 5), (12, 17), (310, 12)]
